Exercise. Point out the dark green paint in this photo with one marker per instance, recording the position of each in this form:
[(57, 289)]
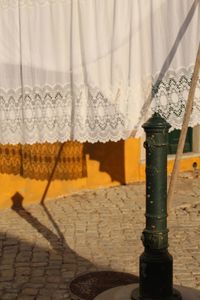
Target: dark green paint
[(174, 138), (156, 264)]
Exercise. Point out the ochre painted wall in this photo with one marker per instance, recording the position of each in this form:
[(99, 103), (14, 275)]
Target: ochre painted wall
[(99, 165)]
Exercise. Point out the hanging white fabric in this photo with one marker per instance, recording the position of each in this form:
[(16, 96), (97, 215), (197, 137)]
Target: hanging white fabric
[(93, 70)]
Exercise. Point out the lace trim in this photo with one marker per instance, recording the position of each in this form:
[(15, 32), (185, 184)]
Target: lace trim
[(170, 96), (62, 113), (49, 114)]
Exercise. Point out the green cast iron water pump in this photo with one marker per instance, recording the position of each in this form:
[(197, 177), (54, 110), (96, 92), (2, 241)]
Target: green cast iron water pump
[(156, 264)]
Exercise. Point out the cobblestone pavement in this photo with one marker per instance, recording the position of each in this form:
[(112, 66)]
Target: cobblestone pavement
[(42, 248)]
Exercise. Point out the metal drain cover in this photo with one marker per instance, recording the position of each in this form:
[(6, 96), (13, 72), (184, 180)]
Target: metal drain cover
[(89, 285)]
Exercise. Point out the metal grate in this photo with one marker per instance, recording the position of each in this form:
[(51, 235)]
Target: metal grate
[(89, 285)]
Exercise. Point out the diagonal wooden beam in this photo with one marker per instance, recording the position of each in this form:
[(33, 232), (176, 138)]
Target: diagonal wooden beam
[(188, 111)]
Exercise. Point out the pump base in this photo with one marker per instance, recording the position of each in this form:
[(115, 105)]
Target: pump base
[(125, 292), (176, 296)]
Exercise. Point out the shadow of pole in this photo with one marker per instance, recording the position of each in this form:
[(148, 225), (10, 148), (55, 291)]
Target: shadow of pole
[(17, 199), (89, 284), (61, 237), (52, 174), (57, 242)]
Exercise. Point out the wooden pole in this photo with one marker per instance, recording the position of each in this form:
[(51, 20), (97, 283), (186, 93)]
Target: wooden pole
[(184, 130)]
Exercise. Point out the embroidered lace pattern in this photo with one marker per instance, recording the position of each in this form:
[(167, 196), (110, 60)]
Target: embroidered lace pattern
[(50, 114), (170, 96), (44, 161), (61, 113)]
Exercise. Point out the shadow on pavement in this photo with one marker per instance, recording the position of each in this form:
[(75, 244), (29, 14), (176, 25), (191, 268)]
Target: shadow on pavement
[(28, 271)]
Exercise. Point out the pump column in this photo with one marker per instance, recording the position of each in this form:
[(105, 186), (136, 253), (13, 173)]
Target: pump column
[(156, 264)]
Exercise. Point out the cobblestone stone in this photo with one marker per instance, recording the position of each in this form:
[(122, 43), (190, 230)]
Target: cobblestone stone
[(42, 248)]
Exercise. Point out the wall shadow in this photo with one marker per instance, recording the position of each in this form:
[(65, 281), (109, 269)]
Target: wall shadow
[(62, 161), (111, 157), (46, 161)]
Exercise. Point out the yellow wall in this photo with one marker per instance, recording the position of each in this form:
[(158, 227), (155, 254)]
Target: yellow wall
[(108, 164)]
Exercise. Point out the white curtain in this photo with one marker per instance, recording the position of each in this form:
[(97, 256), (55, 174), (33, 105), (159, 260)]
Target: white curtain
[(94, 70)]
